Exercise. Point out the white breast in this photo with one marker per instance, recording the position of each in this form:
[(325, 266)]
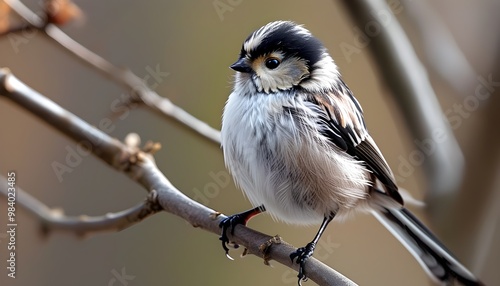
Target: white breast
[(282, 162)]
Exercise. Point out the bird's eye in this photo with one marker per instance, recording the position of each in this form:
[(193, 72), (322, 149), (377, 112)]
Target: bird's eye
[(272, 63)]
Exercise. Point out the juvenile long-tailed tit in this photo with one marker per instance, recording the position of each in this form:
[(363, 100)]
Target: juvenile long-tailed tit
[(295, 141)]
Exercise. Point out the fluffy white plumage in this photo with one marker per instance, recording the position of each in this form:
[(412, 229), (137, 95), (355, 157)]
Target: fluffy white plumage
[(295, 141), (263, 145)]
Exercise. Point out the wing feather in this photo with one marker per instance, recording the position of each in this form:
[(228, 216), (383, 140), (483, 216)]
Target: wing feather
[(341, 121)]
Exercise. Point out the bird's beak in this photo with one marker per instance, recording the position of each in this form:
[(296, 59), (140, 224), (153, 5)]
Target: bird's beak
[(241, 65)]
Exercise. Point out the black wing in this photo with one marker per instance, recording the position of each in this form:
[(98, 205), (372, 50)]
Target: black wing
[(341, 120)]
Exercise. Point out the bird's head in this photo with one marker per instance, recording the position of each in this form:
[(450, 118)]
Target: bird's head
[(281, 56)]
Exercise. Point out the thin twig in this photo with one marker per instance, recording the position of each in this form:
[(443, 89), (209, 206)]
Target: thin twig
[(54, 219), (124, 77), (405, 75), (141, 168)]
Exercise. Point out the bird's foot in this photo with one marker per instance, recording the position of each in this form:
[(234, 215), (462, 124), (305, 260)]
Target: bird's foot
[(302, 254), (230, 223)]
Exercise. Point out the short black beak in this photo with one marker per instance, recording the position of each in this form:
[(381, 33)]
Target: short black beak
[(241, 65)]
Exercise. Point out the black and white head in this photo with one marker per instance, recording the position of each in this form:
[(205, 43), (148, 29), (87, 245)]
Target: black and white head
[(281, 56)]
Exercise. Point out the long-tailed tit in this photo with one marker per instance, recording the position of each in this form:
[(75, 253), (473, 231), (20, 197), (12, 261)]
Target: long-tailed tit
[(295, 141)]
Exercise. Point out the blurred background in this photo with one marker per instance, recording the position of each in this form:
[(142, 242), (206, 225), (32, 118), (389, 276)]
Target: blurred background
[(183, 50)]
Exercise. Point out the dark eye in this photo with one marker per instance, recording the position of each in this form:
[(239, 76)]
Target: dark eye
[(272, 63)]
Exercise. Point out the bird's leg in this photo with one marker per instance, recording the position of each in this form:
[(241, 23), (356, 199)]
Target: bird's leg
[(232, 221), (303, 253)]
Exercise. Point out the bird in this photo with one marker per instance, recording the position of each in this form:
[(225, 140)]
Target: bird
[(295, 141)]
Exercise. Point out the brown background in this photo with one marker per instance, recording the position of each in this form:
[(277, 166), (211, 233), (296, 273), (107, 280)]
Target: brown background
[(190, 41)]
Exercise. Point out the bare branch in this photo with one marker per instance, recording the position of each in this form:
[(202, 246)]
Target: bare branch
[(54, 219), (405, 75), (141, 167), (124, 77)]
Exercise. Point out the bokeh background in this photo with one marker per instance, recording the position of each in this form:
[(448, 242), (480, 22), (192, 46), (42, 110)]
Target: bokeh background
[(195, 42)]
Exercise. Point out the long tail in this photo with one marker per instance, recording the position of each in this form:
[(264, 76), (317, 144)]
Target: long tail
[(432, 255)]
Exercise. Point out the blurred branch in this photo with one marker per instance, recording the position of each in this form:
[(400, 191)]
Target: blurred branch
[(124, 77), (54, 219), (141, 167), (407, 79), (443, 53), (475, 213)]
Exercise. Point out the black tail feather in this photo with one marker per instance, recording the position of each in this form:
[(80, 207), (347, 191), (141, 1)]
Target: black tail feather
[(425, 247)]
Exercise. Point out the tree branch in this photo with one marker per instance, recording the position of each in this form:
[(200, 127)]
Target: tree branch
[(124, 77), (405, 75), (54, 219), (141, 167)]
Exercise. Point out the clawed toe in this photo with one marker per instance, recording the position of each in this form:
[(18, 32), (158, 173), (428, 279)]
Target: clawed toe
[(226, 224), (300, 256), (230, 222)]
